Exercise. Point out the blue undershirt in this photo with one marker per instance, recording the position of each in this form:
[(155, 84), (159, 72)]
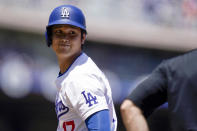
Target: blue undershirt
[(99, 121)]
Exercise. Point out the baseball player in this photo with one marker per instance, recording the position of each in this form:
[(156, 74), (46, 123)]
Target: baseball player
[(84, 98)]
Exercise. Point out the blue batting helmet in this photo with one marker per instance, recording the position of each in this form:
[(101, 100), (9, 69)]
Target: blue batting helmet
[(65, 14)]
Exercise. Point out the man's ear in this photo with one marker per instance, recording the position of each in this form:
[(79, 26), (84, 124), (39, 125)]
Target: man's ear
[(83, 38)]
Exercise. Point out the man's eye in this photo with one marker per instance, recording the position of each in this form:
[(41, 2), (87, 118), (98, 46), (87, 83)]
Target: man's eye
[(72, 33), (57, 32)]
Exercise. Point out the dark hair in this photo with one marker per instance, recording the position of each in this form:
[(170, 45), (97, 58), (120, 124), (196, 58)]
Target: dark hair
[(82, 32)]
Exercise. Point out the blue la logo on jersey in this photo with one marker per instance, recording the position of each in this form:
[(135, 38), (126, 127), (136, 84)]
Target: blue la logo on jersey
[(60, 109), (89, 98)]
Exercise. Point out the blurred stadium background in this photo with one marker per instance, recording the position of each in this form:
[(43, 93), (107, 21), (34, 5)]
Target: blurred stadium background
[(126, 38)]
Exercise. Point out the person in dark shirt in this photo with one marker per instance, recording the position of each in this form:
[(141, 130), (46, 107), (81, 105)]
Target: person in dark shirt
[(173, 81)]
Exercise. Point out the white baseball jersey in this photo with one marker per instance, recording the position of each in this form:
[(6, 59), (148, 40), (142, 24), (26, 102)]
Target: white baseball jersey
[(82, 91)]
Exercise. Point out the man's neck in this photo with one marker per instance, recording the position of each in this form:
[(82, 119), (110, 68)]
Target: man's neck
[(65, 63)]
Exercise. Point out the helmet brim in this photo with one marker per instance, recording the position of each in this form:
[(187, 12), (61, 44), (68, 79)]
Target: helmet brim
[(66, 22)]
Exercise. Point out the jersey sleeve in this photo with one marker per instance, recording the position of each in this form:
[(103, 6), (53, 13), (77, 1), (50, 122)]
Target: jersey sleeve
[(152, 92), (87, 95)]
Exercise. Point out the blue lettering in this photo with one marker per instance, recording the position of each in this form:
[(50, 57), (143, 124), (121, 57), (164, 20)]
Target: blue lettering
[(89, 98), (61, 109)]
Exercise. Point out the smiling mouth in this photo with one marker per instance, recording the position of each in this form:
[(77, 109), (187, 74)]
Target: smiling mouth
[(64, 45)]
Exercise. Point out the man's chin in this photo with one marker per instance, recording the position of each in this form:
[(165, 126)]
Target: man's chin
[(64, 55)]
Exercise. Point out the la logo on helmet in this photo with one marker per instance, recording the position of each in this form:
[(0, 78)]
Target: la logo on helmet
[(65, 13)]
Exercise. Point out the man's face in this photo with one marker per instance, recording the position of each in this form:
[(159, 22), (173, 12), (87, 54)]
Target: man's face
[(66, 40)]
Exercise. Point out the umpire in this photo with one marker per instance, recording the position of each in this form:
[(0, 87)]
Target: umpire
[(173, 81)]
